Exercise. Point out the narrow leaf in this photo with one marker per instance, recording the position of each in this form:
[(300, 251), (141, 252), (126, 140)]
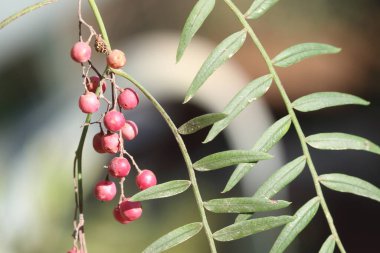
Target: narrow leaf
[(239, 102), (200, 122), (270, 138), (258, 8), (302, 51), (320, 100), (341, 141), (278, 181), (164, 190), (328, 246), (225, 50), (195, 20), (175, 237), (302, 218), (350, 184), (249, 227), (227, 158), (244, 205)]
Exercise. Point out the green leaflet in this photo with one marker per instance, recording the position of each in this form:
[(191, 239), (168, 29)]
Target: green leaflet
[(258, 8), (249, 227), (328, 246), (302, 218), (164, 190), (174, 238), (350, 184), (239, 102), (270, 138), (341, 141), (277, 181), (244, 205), (227, 158), (200, 122), (195, 20), (320, 100), (302, 51), (225, 50)]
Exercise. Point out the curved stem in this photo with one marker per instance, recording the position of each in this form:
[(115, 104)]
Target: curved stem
[(185, 154), (294, 118), (99, 19)]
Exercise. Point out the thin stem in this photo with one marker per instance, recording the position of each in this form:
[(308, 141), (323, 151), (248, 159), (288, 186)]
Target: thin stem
[(28, 9), (294, 118), (184, 152), (101, 25)]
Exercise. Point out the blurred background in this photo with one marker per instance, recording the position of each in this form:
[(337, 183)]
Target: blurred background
[(40, 120)]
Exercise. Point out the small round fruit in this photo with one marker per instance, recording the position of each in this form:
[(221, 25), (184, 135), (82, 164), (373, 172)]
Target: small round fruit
[(105, 190), (129, 130), (93, 84), (145, 179), (74, 250), (128, 99), (89, 102), (110, 143), (81, 52), (116, 59), (118, 217), (119, 167), (97, 143), (114, 120), (130, 210)]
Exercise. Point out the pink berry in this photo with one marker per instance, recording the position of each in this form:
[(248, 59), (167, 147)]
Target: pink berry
[(105, 190), (110, 143), (81, 52), (116, 59), (74, 250), (93, 84), (89, 102), (97, 143), (128, 99), (129, 130), (114, 120), (130, 210), (145, 179), (119, 167), (118, 217)]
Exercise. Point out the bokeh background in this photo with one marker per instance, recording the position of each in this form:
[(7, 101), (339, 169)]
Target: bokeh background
[(40, 121)]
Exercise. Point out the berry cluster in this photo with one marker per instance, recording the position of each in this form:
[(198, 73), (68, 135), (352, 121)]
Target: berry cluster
[(118, 129)]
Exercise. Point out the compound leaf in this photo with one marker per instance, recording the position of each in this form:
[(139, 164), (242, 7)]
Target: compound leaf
[(249, 227), (200, 122), (174, 238), (163, 190), (227, 158), (258, 8), (197, 16), (301, 219), (225, 50), (341, 141), (302, 51), (350, 184), (239, 102), (320, 100)]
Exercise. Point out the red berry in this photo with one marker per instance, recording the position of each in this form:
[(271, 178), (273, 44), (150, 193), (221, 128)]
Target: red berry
[(130, 210), (93, 84), (110, 143), (74, 250), (119, 167), (128, 99), (129, 130), (105, 190), (81, 52), (89, 102), (116, 59), (114, 120), (145, 179), (118, 217), (97, 142)]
